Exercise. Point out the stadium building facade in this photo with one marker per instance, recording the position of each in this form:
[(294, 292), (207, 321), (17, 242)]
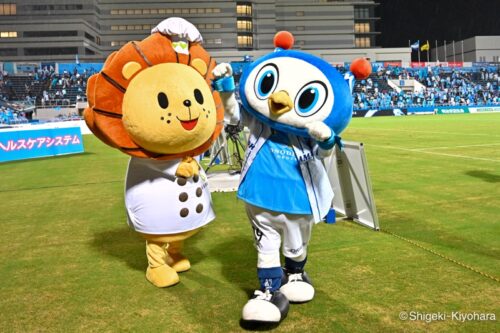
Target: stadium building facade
[(474, 49), (31, 30)]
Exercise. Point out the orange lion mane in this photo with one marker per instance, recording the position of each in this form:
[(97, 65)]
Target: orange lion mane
[(106, 89)]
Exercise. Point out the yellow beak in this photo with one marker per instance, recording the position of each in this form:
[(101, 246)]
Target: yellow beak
[(279, 103)]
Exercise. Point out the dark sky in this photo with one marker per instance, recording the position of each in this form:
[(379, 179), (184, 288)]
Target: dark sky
[(432, 20)]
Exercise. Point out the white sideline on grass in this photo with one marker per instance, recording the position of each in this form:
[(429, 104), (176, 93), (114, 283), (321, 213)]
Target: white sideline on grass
[(435, 153)]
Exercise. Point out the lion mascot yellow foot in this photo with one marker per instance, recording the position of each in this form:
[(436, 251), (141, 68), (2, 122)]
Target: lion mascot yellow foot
[(152, 100)]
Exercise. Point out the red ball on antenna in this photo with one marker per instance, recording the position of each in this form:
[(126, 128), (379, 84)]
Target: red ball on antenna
[(361, 68), (284, 40)]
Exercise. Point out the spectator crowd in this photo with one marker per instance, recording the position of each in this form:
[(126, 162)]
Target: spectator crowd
[(440, 86), (44, 87)]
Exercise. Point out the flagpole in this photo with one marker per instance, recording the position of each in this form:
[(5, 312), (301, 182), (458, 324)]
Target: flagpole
[(454, 51), (445, 57), (419, 53), (436, 43), (428, 48), (462, 50), (411, 50)]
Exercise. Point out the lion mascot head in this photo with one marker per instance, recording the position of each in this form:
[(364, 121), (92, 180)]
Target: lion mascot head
[(152, 100)]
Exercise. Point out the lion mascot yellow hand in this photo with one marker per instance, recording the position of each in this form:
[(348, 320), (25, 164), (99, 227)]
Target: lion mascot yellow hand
[(153, 101)]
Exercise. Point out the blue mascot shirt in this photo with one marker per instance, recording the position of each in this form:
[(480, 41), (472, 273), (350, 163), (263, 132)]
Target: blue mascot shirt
[(274, 180)]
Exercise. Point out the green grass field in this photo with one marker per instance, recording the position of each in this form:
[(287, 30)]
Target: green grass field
[(69, 263)]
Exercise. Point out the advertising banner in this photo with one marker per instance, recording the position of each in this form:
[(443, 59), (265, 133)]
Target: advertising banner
[(455, 64), (485, 64), (420, 110), (484, 109), (26, 67), (451, 109), (377, 65), (9, 68), (18, 144), (392, 63), (414, 64), (376, 113), (90, 68)]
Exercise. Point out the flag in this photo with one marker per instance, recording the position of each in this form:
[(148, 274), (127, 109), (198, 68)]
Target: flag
[(425, 47), (415, 45), (77, 61)]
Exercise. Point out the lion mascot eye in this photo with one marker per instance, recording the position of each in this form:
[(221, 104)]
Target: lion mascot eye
[(163, 100)]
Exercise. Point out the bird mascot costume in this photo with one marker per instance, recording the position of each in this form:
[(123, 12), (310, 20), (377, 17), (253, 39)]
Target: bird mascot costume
[(153, 101), (295, 106)]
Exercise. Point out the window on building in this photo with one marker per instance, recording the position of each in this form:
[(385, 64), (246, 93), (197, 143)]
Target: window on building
[(362, 42), (244, 25), (361, 28), (132, 27), (245, 41), (361, 13), (482, 59), (8, 52), (56, 7), (496, 58), (62, 33), (89, 37), (301, 28), (50, 51), (8, 9), (216, 41), (209, 26), (8, 34), (118, 43), (243, 9), (246, 10), (299, 13)]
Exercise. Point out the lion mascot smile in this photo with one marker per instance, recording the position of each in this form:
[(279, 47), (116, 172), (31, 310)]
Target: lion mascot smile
[(153, 101)]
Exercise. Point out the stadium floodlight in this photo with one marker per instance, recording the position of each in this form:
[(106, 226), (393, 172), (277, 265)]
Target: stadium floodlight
[(348, 173)]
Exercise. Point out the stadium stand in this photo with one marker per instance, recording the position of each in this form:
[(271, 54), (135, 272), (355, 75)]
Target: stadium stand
[(441, 86)]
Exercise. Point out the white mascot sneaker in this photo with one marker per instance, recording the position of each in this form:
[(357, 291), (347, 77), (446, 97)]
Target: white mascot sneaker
[(297, 287), (267, 307)]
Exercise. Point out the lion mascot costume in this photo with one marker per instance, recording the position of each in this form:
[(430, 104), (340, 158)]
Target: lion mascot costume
[(153, 101)]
